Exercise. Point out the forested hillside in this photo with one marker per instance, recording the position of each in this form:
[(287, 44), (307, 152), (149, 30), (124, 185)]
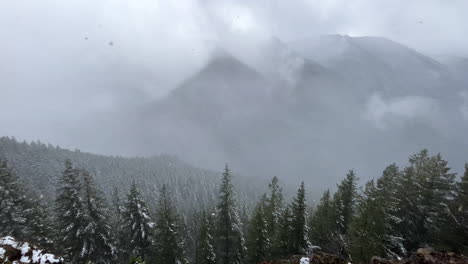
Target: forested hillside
[(423, 204), (41, 165)]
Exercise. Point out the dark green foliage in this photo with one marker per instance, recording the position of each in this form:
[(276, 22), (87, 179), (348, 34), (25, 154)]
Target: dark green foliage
[(366, 229), (137, 226), (458, 237), (118, 227), (13, 204), (205, 252), (169, 247), (71, 215), (41, 166), (344, 205), (258, 236), (22, 213), (322, 223), (283, 246), (99, 240), (300, 230), (426, 191), (41, 231), (394, 214), (273, 209), (229, 236)]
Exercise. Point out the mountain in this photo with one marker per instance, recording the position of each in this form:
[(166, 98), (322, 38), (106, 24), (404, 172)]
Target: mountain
[(374, 63), (41, 166), (310, 109)]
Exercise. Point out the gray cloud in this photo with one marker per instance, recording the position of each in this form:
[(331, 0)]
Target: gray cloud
[(57, 66)]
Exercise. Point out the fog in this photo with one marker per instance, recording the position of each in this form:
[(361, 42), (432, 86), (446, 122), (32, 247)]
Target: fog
[(100, 76)]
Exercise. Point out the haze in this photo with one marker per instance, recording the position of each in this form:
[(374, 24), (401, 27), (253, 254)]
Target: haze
[(140, 78)]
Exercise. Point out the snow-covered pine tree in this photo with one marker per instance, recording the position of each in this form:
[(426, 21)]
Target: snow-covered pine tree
[(321, 223), (71, 215), (138, 225), (438, 192), (40, 229), (300, 230), (205, 253), (99, 240), (118, 227), (426, 208), (344, 202), (273, 209), (283, 246), (459, 236), (169, 246), (22, 213), (388, 200), (258, 238), (13, 204), (366, 231), (229, 237)]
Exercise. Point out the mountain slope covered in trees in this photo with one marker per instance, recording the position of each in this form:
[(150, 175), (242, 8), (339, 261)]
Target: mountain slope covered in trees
[(41, 165)]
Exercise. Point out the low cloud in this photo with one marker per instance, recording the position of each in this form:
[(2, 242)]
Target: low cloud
[(384, 113)]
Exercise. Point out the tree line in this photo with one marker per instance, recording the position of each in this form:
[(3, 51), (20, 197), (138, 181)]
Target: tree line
[(418, 206)]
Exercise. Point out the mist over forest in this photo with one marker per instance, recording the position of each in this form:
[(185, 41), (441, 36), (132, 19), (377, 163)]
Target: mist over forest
[(129, 98)]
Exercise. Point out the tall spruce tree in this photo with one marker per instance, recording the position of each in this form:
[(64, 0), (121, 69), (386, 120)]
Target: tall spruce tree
[(283, 244), (273, 209), (433, 191), (459, 236), (138, 226), (22, 213), (229, 236), (118, 226), (343, 210), (169, 244), (71, 215), (205, 252), (366, 228), (258, 236), (13, 204), (40, 229), (321, 223), (300, 230), (388, 200), (99, 240)]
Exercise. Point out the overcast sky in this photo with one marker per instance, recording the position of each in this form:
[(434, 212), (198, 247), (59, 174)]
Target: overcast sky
[(60, 60)]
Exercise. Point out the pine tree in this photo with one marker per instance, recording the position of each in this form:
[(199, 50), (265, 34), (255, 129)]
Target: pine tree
[(427, 208), (118, 225), (205, 253), (71, 215), (459, 234), (22, 213), (273, 210), (138, 225), (300, 231), (283, 246), (99, 241), (388, 200), (168, 243), (40, 229), (229, 237), (13, 204), (258, 237), (366, 230), (321, 223), (344, 202)]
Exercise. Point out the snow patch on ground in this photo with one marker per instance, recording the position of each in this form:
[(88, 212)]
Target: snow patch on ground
[(29, 254)]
